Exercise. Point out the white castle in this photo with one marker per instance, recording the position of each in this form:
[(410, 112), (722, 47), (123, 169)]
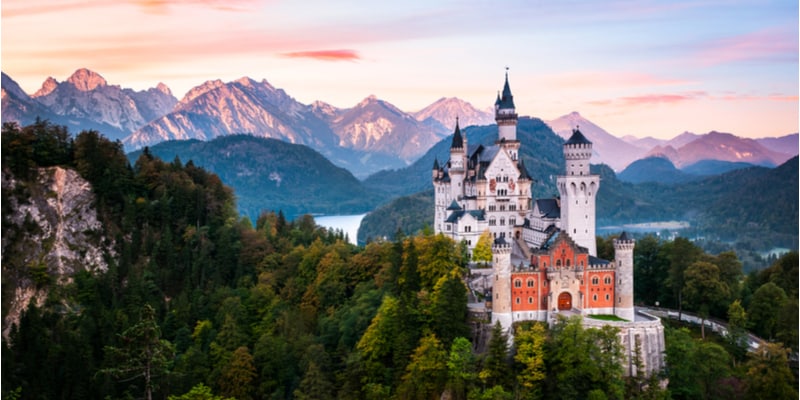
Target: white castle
[(544, 253)]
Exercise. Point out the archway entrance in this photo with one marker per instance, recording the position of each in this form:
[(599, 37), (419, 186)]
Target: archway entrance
[(564, 301)]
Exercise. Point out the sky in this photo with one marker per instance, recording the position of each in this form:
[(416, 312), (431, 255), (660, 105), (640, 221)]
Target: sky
[(641, 68)]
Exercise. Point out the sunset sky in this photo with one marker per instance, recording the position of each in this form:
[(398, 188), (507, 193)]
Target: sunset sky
[(644, 68)]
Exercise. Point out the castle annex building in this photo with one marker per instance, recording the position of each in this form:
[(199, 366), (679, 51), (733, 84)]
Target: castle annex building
[(544, 254)]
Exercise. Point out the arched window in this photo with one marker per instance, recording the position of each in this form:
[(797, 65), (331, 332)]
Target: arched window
[(608, 297), (517, 283), (607, 280), (517, 300), (594, 297), (530, 300), (595, 281), (531, 282), (568, 263)]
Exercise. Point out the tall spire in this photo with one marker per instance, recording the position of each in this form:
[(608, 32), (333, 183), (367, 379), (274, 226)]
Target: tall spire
[(458, 140), (507, 99)]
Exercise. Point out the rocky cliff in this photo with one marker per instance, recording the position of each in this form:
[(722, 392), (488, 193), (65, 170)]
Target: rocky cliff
[(50, 232)]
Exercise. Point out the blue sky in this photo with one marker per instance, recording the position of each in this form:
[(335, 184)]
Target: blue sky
[(644, 68)]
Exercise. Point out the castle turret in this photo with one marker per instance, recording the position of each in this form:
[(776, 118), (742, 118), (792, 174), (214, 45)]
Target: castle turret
[(578, 191), (458, 163), (623, 259), (501, 286), (505, 114)]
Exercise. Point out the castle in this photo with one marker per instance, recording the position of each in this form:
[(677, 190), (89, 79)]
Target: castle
[(544, 252)]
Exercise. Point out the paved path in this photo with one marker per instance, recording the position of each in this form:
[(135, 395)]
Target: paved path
[(716, 325)]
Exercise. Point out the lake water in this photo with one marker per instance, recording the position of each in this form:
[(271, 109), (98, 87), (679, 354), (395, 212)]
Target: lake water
[(347, 223)]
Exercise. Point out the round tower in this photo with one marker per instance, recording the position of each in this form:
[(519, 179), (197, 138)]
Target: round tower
[(505, 114), (578, 191), (458, 163), (501, 286), (623, 255)]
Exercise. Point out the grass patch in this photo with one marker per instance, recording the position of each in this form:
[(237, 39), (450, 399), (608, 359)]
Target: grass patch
[(607, 317)]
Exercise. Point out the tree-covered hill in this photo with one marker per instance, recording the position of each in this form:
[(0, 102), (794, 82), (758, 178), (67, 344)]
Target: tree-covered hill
[(754, 208), (195, 302), (269, 174)]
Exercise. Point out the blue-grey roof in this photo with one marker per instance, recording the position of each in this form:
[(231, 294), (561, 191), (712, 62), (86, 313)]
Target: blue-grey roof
[(597, 261), (549, 208), (506, 99), (458, 141), (457, 215), (454, 206), (577, 138)]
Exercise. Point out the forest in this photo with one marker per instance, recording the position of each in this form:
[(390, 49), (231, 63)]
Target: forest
[(198, 302)]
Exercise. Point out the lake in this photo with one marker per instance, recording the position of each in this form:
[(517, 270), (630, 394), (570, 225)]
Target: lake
[(347, 223)]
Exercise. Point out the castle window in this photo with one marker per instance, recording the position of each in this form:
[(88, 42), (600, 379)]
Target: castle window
[(531, 282), (568, 263), (530, 300), (502, 221), (608, 297), (594, 297), (502, 207), (512, 221), (517, 300), (447, 227), (492, 222), (595, 280), (607, 280), (517, 283), (512, 207), (558, 263)]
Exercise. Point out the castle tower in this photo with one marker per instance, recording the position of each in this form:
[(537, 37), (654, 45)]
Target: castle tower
[(578, 191), (623, 291), (501, 286), (506, 116), (458, 163)]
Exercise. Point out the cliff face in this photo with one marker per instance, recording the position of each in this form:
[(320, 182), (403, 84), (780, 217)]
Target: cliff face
[(50, 232)]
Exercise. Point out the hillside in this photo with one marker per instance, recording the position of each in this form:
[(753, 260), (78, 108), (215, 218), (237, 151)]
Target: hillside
[(269, 174), (755, 208), (653, 169)]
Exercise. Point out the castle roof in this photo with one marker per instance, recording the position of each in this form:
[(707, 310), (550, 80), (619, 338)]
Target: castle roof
[(548, 208), (523, 172), (624, 236), (458, 141), (436, 163), (597, 261), (454, 206), (507, 99), (577, 138), (457, 215)]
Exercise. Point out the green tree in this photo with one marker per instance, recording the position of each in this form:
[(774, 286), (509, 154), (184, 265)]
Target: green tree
[(198, 392), (315, 385), (496, 370), (483, 248), (460, 368), (142, 353), (736, 339), (680, 254), (704, 289), (238, 376), (768, 374), (426, 374), (530, 354), (680, 357), (764, 309), (449, 309), (712, 365)]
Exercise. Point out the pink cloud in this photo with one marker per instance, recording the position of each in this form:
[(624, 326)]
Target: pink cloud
[(772, 44), (661, 98), (326, 55)]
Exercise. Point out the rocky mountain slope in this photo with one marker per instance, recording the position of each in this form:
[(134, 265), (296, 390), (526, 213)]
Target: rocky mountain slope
[(446, 109), (50, 232), (608, 149)]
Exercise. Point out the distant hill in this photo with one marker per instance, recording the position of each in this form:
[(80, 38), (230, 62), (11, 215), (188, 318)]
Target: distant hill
[(720, 146), (714, 167), (269, 174), (608, 149), (756, 207), (653, 169)]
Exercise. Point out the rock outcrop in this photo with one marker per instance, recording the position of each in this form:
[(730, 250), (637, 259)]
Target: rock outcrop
[(50, 232)]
